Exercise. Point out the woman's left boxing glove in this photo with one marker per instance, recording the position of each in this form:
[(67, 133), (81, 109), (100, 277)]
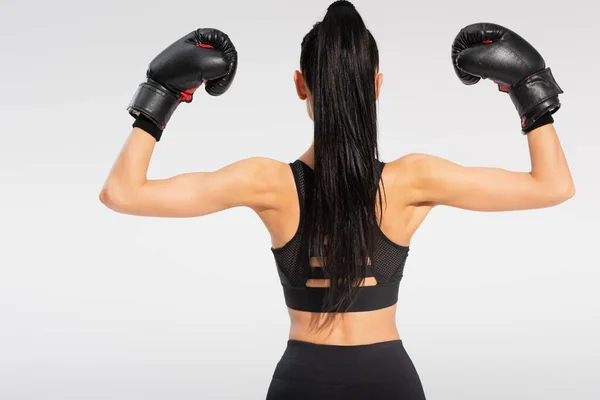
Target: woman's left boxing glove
[(204, 55), (491, 51)]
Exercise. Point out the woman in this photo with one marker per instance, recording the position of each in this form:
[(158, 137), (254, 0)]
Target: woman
[(341, 220)]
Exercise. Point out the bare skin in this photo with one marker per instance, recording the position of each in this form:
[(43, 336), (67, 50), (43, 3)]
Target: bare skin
[(414, 184)]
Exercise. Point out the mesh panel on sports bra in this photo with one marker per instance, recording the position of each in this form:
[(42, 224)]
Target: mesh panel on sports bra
[(293, 270), (293, 261)]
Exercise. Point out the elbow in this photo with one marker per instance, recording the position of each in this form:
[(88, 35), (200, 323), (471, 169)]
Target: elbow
[(106, 198), (570, 192), (563, 192), (114, 198)]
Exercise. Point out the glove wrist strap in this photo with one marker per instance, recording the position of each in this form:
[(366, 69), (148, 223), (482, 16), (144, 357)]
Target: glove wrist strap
[(155, 102), (535, 96)]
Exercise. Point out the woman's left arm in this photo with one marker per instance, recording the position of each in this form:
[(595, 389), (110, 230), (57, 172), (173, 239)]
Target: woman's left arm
[(250, 182)]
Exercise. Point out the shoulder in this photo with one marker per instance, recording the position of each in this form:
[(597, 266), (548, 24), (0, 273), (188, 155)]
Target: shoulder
[(260, 169), (267, 176), (269, 170), (411, 167), (408, 174), (254, 175)]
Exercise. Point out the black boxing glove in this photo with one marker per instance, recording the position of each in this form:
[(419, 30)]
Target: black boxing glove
[(204, 55), (490, 51)]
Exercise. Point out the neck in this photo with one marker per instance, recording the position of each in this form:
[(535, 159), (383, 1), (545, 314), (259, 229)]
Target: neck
[(309, 156)]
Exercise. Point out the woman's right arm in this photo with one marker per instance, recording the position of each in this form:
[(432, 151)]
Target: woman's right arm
[(434, 181)]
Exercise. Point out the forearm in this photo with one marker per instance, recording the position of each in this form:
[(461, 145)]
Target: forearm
[(548, 162), (130, 170)]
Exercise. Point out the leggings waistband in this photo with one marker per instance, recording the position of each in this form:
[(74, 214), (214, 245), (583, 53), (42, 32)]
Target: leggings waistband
[(377, 362), (317, 352)]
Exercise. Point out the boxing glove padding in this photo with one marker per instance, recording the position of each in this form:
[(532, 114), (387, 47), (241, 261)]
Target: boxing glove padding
[(204, 55), (490, 51)]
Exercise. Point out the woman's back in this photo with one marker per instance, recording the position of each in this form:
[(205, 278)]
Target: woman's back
[(376, 321)]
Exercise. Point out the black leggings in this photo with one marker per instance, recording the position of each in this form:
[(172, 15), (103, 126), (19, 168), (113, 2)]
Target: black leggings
[(379, 371)]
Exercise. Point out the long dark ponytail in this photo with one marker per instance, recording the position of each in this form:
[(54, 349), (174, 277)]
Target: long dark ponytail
[(339, 62)]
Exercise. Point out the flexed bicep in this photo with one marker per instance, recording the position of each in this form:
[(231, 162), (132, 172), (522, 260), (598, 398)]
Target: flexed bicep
[(438, 181), (250, 182)]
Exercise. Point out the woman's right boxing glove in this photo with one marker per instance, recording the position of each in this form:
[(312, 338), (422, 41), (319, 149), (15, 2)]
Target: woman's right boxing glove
[(204, 55)]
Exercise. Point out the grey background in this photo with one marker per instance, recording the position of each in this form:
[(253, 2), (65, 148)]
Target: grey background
[(96, 305)]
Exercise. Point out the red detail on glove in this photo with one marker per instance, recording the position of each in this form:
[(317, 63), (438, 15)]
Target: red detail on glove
[(187, 95), (523, 121), (503, 88), (487, 41)]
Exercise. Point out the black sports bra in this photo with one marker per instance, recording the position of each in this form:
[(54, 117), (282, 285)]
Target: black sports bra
[(387, 263)]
